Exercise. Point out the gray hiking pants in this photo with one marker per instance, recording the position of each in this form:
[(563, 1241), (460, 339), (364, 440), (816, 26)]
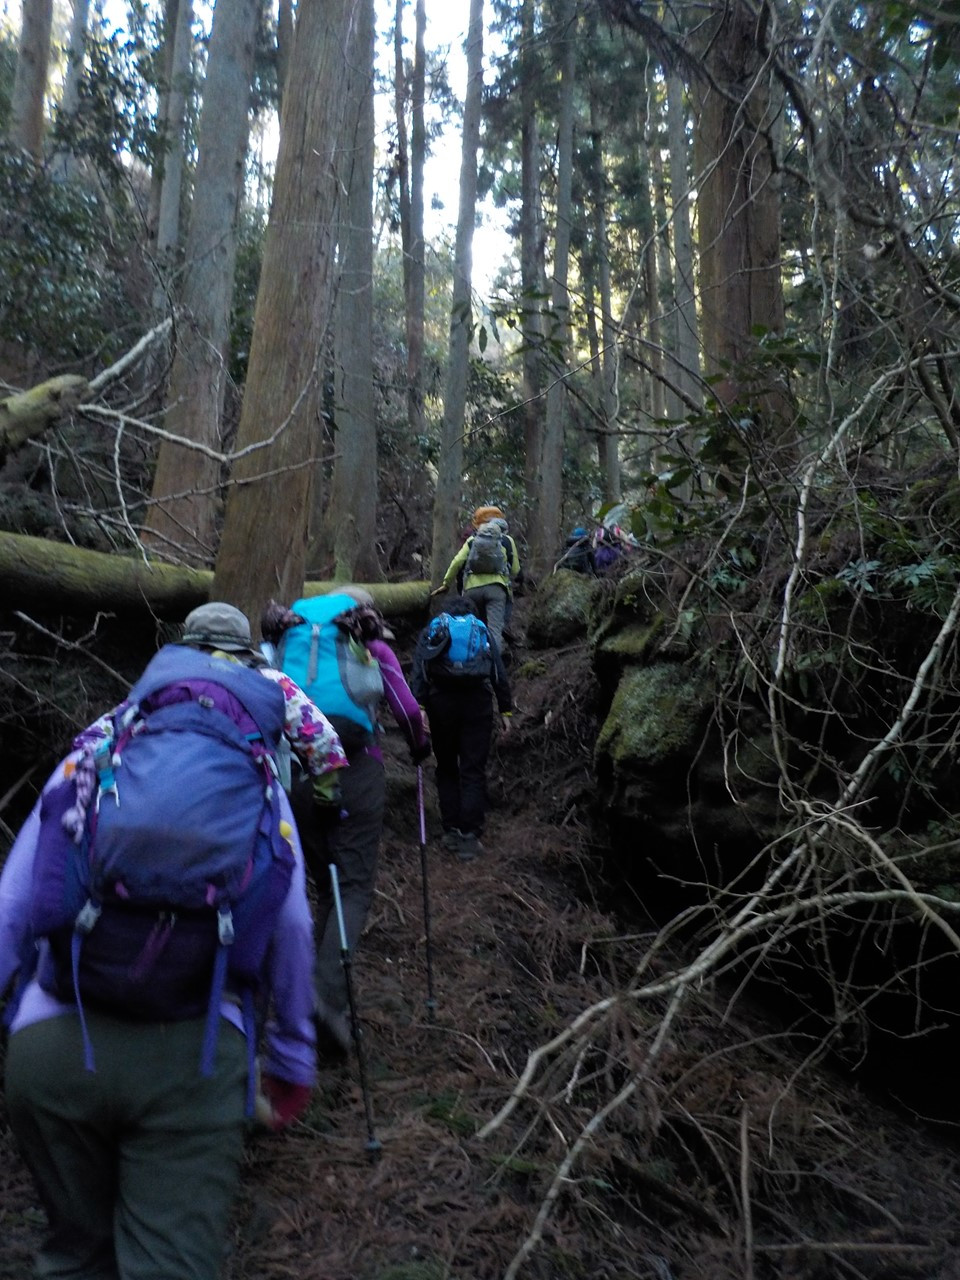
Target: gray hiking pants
[(353, 844), (491, 599), (136, 1163)]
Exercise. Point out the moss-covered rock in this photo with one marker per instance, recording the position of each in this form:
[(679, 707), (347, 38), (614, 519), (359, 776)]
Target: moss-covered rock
[(633, 643), (561, 609), (656, 715)]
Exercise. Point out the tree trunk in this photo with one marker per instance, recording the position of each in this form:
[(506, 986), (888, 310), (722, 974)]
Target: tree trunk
[(687, 367), (36, 571), (446, 507), (608, 445), (411, 164), (649, 295), (350, 521), (30, 81), (549, 509), (418, 157), (738, 209), (156, 175), (73, 72), (532, 275), (264, 543), (181, 521), (284, 43), (168, 217)]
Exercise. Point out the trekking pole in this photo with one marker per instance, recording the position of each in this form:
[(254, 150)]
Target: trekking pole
[(373, 1145), (428, 946)]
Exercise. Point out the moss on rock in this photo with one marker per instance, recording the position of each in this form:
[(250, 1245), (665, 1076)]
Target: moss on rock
[(655, 716), (633, 643), (561, 609)]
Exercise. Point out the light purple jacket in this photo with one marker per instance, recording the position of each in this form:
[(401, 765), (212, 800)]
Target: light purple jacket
[(289, 1051), (402, 703)]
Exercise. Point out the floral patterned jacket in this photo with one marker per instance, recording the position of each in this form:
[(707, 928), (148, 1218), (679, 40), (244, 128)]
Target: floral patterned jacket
[(312, 737)]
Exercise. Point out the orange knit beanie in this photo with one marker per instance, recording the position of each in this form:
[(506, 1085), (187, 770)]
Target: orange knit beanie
[(483, 514)]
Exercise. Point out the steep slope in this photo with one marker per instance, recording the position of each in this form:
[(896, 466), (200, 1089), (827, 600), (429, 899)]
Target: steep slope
[(731, 1152)]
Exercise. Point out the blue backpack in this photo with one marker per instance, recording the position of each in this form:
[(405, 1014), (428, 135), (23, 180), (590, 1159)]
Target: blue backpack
[(158, 881), (334, 670), (462, 647)]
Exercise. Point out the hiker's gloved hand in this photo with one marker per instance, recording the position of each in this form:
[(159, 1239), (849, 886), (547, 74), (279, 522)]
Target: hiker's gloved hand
[(327, 799), (284, 1102), (326, 791), (419, 754)]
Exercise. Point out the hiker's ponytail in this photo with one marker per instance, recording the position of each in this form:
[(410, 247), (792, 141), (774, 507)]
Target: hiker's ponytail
[(275, 620)]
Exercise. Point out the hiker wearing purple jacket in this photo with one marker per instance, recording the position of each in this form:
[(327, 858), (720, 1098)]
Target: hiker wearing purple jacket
[(351, 840), (136, 1148)]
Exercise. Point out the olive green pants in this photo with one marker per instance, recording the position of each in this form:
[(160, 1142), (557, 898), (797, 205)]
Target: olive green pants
[(137, 1162)]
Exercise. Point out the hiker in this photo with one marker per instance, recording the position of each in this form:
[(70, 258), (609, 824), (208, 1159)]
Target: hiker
[(223, 630), (335, 646), (607, 550), (456, 666), (578, 555), (130, 1072), (490, 564)]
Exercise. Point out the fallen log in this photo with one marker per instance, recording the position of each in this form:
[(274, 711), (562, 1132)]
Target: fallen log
[(37, 572), (26, 414)]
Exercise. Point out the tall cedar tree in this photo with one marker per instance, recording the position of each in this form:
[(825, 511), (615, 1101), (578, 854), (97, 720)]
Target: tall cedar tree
[(180, 523), (548, 511), (449, 471), (264, 544), (30, 81), (350, 520)]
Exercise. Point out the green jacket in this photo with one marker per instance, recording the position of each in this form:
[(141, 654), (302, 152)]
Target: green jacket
[(482, 579)]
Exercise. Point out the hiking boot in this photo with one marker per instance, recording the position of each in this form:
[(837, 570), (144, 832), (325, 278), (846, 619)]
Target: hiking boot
[(470, 846), (451, 840)]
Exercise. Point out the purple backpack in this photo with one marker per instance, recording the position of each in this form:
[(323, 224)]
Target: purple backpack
[(164, 891)]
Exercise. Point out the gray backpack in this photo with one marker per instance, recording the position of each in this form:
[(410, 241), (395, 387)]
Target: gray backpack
[(487, 554)]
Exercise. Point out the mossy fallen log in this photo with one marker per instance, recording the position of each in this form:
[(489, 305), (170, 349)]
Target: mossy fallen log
[(55, 576), (26, 414)]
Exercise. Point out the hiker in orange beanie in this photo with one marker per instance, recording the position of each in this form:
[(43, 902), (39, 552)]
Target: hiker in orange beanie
[(483, 514), (490, 563)]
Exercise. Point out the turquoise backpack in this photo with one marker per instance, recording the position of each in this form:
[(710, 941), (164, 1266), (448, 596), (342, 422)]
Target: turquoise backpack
[(332, 668)]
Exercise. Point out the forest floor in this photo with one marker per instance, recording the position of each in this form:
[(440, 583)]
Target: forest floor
[(736, 1159)]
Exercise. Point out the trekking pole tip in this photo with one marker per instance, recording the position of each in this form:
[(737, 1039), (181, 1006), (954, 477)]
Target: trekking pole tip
[(374, 1149)]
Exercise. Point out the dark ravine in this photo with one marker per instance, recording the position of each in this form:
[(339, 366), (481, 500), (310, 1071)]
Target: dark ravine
[(690, 806)]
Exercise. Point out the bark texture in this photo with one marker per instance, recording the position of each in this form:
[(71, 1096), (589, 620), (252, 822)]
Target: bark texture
[(450, 468), (30, 82), (264, 544), (546, 537), (181, 523), (350, 522), (738, 200)]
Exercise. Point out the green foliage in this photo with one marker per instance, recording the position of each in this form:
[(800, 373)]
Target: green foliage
[(60, 286), (927, 585), (115, 112), (493, 442)]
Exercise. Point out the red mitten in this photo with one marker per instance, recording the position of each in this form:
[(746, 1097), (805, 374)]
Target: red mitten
[(287, 1101)]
